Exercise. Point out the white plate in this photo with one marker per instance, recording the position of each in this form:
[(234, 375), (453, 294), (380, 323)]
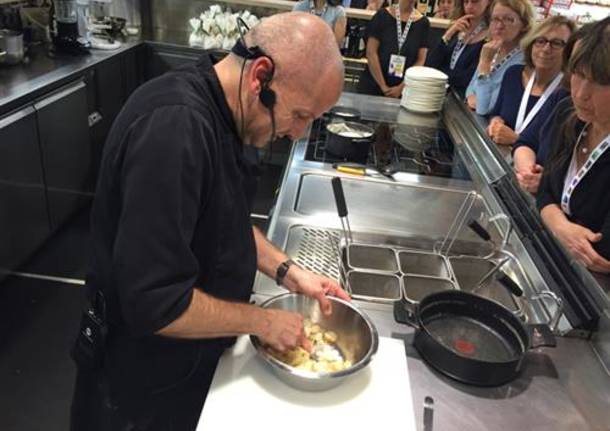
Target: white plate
[(423, 73)]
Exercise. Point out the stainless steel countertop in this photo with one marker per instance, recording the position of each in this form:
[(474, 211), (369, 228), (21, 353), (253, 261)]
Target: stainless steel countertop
[(565, 388)]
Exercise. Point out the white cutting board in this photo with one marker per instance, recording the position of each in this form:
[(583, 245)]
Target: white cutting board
[(246, 395)]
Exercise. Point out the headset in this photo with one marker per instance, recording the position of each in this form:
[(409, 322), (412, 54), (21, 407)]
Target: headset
[(266, 96)]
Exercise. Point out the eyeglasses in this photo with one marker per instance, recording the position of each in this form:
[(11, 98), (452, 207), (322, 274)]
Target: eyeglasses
[(505, 20), (541, 42)]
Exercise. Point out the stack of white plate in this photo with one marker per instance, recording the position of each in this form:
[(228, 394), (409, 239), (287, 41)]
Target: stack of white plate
[(424, 90)]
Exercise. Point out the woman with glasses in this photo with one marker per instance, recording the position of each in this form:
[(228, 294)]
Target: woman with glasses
[(510, 21), (573, 197), (398, 39), (533, 144), (457, 53), (330, 11), (526, 89)]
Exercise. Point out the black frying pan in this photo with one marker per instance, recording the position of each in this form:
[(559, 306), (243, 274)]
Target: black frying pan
[(470, 338)]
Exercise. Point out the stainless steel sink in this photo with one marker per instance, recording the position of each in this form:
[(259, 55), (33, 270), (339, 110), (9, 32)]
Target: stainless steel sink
[(412, 209), (415, 288), (382, 268), (413, 262), (364, 256)]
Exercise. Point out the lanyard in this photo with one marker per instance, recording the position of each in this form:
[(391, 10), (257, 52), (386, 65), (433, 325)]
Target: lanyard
[(312, 9), (461, 43), (522, 120), (402, 35), (584, 169), (495, 66)]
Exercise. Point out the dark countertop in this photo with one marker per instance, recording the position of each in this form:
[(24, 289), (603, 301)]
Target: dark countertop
[(40, 71)]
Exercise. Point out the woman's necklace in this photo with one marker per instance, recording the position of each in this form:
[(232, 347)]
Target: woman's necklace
[(584, 149)]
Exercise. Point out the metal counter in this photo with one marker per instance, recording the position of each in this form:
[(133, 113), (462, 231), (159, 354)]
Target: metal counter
[(565, 388)]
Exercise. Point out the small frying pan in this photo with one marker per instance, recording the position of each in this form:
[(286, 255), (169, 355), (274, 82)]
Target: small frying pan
[(469, 338)]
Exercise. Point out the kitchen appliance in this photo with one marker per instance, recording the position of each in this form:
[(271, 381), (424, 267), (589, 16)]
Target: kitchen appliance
[(417, 149), (11, 47), (357, 340), (69, 31), (471, 339), (105, 28)]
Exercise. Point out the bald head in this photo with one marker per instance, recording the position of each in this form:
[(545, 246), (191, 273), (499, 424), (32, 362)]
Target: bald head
[(303, 48)]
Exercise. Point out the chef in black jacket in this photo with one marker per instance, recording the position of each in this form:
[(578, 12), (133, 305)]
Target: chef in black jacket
[(174, 251), (573, 196)]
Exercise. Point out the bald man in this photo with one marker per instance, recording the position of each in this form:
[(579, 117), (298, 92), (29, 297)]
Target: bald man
[(174, 252)]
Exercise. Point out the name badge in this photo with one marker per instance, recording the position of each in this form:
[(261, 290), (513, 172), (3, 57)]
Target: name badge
[(397, 65)]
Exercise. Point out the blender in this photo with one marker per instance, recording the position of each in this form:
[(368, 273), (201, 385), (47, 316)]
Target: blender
[(70, 31)]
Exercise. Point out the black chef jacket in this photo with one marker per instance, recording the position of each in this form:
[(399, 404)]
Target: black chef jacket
[(171, 212)]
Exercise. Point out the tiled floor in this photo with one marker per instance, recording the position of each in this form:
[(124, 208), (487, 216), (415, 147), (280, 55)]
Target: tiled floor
[(38, 320)]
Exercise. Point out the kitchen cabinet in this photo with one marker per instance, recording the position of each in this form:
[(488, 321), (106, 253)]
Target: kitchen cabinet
[(108, 86), (24, 221), (66, 150)]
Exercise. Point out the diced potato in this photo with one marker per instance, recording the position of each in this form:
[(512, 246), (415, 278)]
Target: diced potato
[(330, 337)]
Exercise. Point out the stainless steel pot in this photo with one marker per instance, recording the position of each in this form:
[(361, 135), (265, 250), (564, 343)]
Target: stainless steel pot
[(357, 340), (11, 43), (349, 140)]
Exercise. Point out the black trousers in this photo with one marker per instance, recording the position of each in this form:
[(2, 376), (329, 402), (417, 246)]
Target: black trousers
[(137, 392)]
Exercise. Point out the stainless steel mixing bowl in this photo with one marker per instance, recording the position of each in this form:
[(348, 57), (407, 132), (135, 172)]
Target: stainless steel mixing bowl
[(357, 340)]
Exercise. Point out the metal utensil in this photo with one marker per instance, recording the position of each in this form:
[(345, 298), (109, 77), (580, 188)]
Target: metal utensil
[(428, 413), (342, 209)]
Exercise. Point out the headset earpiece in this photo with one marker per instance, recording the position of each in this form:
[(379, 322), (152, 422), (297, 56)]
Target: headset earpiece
[(267, 95)]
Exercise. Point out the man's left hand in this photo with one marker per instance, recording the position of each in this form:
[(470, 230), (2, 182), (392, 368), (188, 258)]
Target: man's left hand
[(300, 280)]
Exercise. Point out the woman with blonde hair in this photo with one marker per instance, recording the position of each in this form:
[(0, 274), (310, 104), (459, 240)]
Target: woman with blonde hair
[(527, 88), (398, 39), (457, 53), (510, 21), (573, 197), (531, 150)]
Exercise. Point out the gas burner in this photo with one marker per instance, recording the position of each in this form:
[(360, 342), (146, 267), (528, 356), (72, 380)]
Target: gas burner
[(401, 148)]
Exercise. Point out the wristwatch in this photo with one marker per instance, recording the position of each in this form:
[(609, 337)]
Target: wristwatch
[(282, 270)]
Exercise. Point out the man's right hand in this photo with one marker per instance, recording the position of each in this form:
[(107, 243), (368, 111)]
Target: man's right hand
[(283, 330)]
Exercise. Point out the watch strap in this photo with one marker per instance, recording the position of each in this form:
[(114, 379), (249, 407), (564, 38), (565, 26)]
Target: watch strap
[(282, 270)]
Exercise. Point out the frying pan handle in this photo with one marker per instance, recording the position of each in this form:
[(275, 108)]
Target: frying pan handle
[(479, 230), (339, 197), (541, 336), (406, 313), (509, 283)]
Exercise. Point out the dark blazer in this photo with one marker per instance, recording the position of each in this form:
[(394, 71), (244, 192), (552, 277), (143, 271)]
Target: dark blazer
[(590, 202)]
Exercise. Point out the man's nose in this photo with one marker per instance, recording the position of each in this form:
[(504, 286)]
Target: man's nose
[(299, 129)]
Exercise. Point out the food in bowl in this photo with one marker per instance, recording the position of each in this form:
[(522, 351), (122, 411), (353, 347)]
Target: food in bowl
[(325, 356), (357, 340)]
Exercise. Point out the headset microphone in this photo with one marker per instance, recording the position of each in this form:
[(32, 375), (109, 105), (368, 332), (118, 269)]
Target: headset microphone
[(266, 96)]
